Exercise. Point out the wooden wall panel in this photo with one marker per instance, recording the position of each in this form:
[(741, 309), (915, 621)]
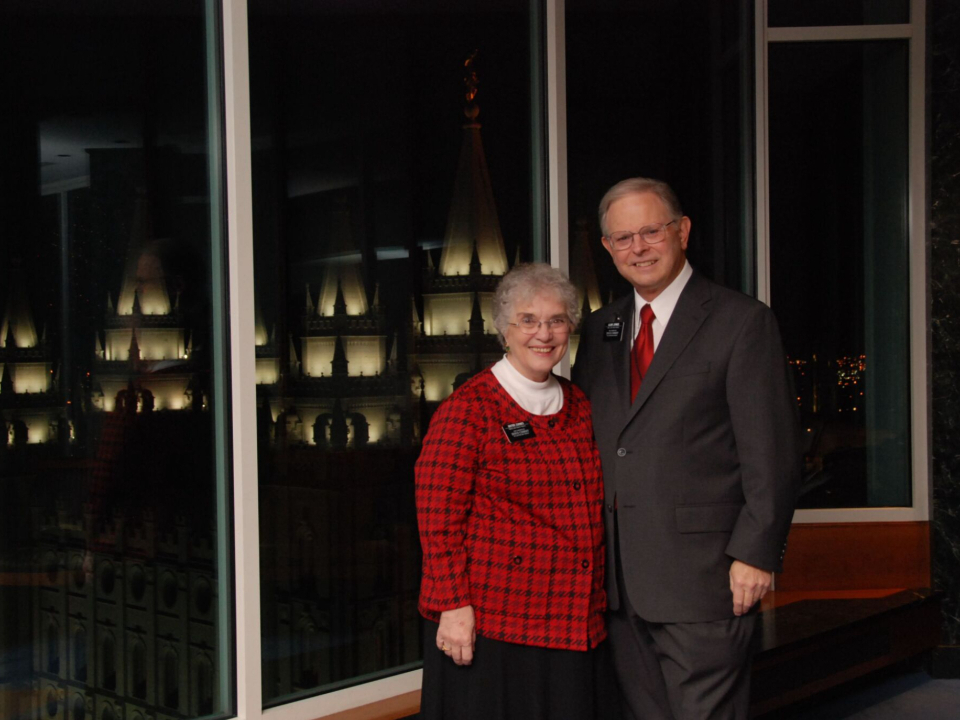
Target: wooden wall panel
[(854, 556)]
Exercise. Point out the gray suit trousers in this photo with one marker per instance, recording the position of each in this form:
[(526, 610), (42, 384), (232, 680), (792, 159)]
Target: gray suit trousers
[(681, 671)]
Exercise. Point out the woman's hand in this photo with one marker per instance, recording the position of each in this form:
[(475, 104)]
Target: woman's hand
[(457, 634)]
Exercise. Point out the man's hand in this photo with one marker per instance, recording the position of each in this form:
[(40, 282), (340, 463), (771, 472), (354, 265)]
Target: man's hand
[(457, 634), (748, 584)]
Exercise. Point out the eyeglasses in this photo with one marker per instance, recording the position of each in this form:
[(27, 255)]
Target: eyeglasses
[(529, 325), (650, 234)]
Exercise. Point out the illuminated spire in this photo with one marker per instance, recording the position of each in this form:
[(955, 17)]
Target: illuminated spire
[(339, 363), (260, 337), (472, 220), (143, 271), (309, 306), (476, 317), (340, 303), (294, 358), (392, 360), (476, 267), (6, 382), (18, 329), (134, 347), (417, 325)]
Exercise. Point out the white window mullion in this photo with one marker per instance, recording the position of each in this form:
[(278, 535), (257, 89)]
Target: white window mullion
[(763, 166), (557, 143), (236, 75), (919, 332)]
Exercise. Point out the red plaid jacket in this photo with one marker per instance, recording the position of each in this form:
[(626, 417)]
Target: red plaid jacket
[(513, 529)]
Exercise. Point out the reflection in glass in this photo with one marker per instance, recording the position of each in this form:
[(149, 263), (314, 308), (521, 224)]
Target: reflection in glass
[(394, 185), (109, 219), (839, 262), (644, 109), (790, 13)]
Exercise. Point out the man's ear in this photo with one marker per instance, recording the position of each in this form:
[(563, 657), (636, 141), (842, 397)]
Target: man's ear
[(684, 226), (606, 244)]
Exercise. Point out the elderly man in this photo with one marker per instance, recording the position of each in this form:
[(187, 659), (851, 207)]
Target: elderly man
[(699, 443)]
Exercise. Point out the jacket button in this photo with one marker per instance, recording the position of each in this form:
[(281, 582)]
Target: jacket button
[(576, 486), (551, 423), (585, 564), (517, 560), (609, 508), (622, 452)]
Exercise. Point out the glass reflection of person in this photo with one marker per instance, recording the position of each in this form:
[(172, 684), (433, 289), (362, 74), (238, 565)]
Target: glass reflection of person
[(509, 507)]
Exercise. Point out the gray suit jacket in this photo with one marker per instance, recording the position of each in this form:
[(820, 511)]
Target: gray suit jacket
[(704, 466)]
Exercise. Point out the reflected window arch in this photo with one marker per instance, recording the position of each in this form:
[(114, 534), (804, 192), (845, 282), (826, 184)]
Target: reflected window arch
[(170, 679), (108, 662), (305, 660), (204, 685), (53, 646), (80, 654), (79, 709), (138, 670)]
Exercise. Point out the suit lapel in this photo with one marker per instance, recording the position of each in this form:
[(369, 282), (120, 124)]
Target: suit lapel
[(692, 309), (620, 351)]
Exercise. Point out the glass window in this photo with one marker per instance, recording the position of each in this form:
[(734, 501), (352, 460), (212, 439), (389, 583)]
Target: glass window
[(111, 364), (839, 262), (640, 104), (397, 167), (807, 13)]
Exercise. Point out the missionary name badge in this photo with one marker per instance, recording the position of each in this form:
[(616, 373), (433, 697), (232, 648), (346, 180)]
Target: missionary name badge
[(613, 331), (517, 431)]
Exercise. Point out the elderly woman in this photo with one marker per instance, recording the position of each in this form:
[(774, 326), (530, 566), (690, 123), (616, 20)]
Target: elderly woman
[(509, 500)]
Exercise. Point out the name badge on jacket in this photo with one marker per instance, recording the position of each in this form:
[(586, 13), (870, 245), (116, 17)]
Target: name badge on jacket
[(518, 431), (613, 331)]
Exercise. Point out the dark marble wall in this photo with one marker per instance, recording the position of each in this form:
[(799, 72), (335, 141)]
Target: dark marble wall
[(944, 197)]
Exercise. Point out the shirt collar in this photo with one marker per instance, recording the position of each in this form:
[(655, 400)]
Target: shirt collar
[(664, 303)]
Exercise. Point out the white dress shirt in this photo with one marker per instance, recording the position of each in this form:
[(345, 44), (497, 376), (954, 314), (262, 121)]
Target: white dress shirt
[(538, 398), (662, 305)]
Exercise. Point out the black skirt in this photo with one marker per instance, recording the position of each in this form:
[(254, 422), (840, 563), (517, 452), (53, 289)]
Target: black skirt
[(507, 681)]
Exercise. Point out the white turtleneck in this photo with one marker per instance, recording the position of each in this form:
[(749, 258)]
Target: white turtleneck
[(537, 398)]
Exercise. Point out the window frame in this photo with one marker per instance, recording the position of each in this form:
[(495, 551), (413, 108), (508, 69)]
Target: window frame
[(915, 33), (242, 322)]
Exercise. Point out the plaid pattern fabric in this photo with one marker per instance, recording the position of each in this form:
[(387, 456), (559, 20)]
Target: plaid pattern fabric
[(514, 529)]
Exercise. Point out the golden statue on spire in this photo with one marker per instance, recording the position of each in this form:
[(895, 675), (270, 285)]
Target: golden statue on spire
[(470, 80)]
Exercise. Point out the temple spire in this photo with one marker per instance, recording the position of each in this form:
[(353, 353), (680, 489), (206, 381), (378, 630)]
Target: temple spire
[(476, 268), (6, 382), (134, 347), (340, 362), (472, 221), (476, 317), (340, 303)]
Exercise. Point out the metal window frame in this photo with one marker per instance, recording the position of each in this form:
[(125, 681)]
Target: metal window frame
[(243, 370), (243, 367), (915, 33)]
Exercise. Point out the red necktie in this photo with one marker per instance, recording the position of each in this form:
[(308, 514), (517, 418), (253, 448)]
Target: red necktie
[(642, 352)]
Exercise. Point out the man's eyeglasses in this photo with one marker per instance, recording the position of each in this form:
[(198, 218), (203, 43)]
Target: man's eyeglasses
[(529, 325), (650, 234)]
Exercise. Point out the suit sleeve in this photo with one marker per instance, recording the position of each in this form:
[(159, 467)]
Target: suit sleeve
[(445, 474), (765, 426)]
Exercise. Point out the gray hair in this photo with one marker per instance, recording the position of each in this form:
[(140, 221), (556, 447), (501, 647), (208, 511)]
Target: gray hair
[(637, 186), (525, 282)]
